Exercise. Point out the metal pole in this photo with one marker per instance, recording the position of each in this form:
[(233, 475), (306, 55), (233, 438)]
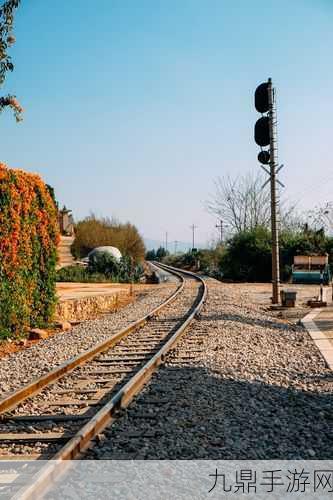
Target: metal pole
[(274, 201), (193, 227), (220, 226), (166, 241)]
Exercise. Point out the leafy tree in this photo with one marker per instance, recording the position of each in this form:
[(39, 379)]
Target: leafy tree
[(150, 255), (93, 232), (6, 40), (248, 256), (161, 253)]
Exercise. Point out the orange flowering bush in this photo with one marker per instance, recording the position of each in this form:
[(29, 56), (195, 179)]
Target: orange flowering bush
[(28, 251)]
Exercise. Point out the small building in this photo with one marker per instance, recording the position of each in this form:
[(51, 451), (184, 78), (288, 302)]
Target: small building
[(66, 222), (311, 269)]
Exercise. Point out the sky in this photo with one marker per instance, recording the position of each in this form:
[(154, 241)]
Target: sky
[(134, 107)]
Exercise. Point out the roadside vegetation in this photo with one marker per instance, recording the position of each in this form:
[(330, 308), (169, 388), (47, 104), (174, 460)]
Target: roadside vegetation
[(28, 250), (102, 267), (246, 256), (245, 253)]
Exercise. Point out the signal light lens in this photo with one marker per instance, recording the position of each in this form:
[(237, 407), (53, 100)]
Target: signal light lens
[(261, 98), (264, 157), (261, 131)]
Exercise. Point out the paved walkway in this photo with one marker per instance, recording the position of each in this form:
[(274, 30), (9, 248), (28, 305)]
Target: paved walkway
[(324, 322), (319, 324)]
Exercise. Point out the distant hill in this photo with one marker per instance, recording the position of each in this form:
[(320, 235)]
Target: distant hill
[(182, 246)]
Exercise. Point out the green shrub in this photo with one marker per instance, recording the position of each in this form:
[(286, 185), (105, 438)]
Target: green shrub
[(79, 274), (104, 263), (103, 267), (73, 273), (248, 256)]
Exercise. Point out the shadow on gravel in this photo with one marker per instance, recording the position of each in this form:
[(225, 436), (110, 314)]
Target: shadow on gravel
[(186, 413)]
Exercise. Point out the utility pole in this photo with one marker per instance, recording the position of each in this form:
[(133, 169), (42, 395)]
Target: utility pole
[(220, 227), (166, 241), (193, 227), (273, 164)]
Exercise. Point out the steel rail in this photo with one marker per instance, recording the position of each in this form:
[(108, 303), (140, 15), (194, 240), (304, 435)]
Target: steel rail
[(34, 387), (74, 448)]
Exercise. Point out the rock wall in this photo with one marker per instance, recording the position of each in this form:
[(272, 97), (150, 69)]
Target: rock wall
[(90, 307)]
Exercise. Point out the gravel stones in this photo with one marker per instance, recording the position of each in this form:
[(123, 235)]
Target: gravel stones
[(241, 384), (22, 367)]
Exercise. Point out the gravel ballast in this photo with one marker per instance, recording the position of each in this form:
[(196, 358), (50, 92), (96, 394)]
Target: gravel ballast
[(240, 385), (22, 367)]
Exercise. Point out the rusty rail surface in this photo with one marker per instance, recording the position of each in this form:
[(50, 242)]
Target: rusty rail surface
[(81, 441), (31, 389)]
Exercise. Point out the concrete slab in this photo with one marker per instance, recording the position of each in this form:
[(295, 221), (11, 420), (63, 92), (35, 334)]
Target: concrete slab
[(319, 324)]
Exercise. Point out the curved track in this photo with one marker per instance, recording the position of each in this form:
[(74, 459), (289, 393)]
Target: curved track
[(58, 415)]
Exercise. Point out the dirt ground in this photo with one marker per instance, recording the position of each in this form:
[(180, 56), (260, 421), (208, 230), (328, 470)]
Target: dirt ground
[(261, 293), (77, 290)]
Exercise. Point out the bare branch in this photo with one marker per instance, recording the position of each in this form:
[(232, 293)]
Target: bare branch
[(241, 202)]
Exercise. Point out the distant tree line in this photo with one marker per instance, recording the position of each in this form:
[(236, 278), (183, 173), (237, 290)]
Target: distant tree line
[(245, 255), (157, 255)]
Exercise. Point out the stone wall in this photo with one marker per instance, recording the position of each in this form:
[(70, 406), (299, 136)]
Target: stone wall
[(90, 307)]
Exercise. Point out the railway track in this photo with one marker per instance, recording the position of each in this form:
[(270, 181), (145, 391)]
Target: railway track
[(59, 415)]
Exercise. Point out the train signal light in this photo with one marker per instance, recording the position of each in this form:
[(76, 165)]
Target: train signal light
[(264, 157), (261, 100), (265, 135)]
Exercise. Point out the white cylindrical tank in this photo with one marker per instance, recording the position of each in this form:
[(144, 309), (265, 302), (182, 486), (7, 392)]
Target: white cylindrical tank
[(110, 250)]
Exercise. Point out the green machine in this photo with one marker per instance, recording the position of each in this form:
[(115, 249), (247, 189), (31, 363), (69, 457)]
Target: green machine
[(311, 269)]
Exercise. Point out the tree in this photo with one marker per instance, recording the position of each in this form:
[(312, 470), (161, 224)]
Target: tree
[(161, 253), (151, 255), (321, 217), (247, 256), (6, 40), (241, 202), (93, 232)]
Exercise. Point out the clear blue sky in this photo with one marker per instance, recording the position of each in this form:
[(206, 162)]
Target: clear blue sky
[(132, 108)]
